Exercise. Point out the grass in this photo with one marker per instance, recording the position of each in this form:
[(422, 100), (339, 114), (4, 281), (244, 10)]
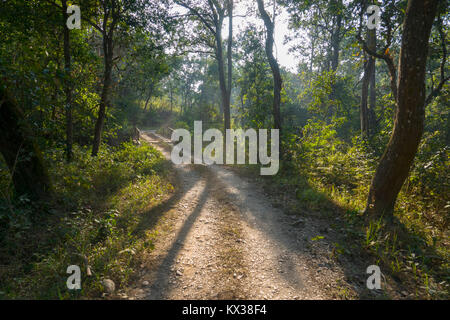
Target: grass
[(92, 222), (414, 251)]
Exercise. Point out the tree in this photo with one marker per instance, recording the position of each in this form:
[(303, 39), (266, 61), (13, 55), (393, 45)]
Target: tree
[(367, 107), (108, 17), (254, 80), (211, 16), (277, 80), (20, 151), (397, 159), (111, 15), (327, 22)]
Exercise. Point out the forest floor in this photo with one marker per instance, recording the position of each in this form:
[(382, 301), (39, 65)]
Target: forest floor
[(222, 238)]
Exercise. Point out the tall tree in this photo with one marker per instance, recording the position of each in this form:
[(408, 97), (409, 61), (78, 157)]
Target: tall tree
[(397, 159), (108, 17), (111, 12), (229, 61), (277, 80), (368, 92), (211, 15), (337, 7)]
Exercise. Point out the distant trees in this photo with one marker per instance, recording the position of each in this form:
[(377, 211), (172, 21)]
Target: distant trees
[(63, 83), (113, 19), (253, 80), (391, 19), (106, 16), (330, 26)]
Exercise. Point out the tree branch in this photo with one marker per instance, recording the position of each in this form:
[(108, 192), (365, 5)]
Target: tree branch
[(196, 13)]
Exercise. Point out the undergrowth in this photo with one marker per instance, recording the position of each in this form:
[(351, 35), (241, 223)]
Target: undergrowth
[(329, 177), (328, 173), (99, 204)]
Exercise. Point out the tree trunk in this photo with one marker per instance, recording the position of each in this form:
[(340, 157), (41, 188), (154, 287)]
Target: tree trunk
[(364, 114), (148, 98), (277, 81), (146, 102), (336, 43), (367, 109), (409, 120), (222, 81), (171, 96), (372, 43), (217, 15), (21, 153), (105, 97), (67, 85), (335, 49), (230, 62)]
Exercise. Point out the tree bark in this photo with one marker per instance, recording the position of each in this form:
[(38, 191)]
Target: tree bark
[(21, 153), (335, 48), (277, 80), (171, 96), (67, 84), (395, 163)]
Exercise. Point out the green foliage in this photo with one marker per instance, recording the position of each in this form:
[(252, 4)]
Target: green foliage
[(100, 204), (323, 156), (255, 82), (341, 172)]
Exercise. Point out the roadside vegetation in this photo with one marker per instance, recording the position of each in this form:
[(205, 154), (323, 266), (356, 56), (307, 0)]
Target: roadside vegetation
[(94, 221)]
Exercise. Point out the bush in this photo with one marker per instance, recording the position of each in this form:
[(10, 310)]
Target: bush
[(323, 156)]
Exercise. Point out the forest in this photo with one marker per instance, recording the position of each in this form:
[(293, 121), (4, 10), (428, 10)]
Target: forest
[(91, 91)]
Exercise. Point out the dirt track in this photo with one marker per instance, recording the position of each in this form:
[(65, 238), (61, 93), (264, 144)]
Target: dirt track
[(223, 239)]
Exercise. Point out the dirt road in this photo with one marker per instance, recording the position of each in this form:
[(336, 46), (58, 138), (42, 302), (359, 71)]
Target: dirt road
[(223, 239)]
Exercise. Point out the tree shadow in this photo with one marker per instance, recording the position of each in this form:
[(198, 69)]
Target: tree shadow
[(161, 281), (296, 238), (341, 245)]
